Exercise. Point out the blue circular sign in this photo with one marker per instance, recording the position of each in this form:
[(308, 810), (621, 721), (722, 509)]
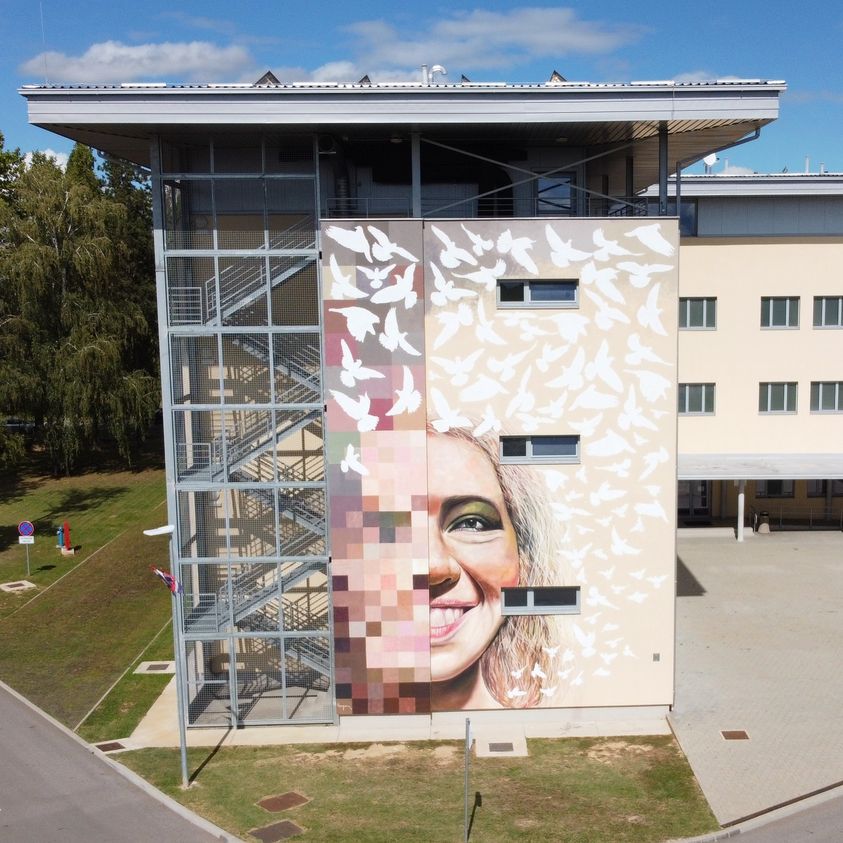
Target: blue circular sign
[(26, 528)]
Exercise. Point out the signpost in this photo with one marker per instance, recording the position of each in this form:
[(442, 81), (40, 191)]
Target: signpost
[(26, 536)]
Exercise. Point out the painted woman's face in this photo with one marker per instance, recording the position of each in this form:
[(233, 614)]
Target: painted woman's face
[(473, 554)]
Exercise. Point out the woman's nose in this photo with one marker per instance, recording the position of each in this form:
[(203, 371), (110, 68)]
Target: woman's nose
[(443, 567)]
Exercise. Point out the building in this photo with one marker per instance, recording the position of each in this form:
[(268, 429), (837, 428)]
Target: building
[(419, 368), (760, 377)]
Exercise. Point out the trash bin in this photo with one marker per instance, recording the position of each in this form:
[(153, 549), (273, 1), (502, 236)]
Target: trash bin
[(764, 522)]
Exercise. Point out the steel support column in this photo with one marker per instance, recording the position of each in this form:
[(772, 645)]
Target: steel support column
[(663, 174), (415, 151), (741, 500)]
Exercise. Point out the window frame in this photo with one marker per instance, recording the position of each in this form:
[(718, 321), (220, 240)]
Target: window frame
[(708, 302), (821, 322), (836, 488), (768, 386), (683, 391), (762, 490), (532, 609), (817, 396), (544, 304), (789, 325), (529, 458)]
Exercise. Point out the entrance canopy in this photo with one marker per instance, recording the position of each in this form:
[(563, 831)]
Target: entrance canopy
[(760, 466)]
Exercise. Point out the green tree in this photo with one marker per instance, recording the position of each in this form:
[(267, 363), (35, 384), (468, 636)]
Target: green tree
[(74, 325)]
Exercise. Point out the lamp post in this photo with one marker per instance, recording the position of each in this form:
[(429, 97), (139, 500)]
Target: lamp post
[(168, 530)]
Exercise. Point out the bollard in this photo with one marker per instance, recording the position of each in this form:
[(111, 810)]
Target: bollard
[(60, 538), (66, 531)]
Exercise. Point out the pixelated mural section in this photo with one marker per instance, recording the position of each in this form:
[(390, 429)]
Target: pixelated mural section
[(376, 451)]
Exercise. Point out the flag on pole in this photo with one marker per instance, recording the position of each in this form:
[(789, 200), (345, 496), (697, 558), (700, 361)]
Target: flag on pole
[(168, 579)]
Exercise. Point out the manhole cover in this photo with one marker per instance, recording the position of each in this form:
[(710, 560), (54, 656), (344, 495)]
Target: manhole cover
[(110, 746), (157, 666), (283, 802), (277, 831), (734, 735), (501, 747)]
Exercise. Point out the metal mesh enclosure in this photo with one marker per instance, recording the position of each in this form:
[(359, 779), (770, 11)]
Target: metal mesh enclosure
[(244, 419)]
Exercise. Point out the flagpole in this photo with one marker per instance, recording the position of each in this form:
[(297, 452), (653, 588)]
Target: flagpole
[(178, 650)]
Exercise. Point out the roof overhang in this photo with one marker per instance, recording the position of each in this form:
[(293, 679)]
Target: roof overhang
[(756, 184), (759, 466), (121, 120)]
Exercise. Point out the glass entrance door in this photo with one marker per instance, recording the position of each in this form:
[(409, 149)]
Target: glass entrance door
[(694, 498)]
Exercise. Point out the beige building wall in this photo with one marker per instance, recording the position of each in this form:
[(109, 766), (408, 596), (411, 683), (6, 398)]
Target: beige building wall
[(739, 354)]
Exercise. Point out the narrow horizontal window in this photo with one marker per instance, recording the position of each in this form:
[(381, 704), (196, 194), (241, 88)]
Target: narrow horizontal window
[(828, 311), (540, 449), (547, 600), (819, 488), (697, 313), (550, 293), (777, 397), (780, 312), (773, 488), (696, 399), (827, 396)]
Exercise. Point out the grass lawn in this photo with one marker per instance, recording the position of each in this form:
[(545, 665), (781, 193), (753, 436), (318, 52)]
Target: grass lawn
[(581, 789), (65, 643)]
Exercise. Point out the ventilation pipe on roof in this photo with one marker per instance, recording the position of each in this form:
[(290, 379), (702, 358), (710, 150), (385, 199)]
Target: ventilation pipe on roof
[(822, 168), (807, 164), (437, 68), (425, 76)]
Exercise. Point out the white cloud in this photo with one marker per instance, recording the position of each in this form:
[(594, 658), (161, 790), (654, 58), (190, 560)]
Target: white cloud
[(59, 157), (112, 61), (695, 76), (735, 170)]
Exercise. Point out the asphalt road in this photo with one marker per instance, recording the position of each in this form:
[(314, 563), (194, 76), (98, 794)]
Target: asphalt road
[(821, 823), (53, 788)]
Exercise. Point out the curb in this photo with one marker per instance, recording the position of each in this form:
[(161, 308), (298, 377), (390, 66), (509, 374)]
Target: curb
[(126, 773)]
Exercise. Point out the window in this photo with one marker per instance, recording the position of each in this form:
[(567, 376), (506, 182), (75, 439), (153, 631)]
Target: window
[(819, 488), (696, 399), (556, 293), (773, 488), (554, 195), (697, 313), (828, 311), (827, 396), (777, 397), (780, 312), (548, 600), (540, 449)]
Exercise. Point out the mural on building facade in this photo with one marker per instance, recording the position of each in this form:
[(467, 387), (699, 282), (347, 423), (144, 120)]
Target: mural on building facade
[(425, 371)]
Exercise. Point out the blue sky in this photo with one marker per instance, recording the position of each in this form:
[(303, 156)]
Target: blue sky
[(608, 41)]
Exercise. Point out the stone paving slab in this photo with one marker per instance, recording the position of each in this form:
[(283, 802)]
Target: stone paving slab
[(759, 627)]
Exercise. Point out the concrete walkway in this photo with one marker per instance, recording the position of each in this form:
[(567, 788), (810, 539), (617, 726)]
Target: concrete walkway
[(759, 627)]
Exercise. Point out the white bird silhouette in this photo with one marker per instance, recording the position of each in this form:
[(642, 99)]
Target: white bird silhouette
[(577, 680), (568, 655), (622, 548), (585, 640), (556, 407), (452, 321), (605, 493), (651, 509), (607, 247), (342, 288), (608, 658), (548, 692), (613, 642), (637, 597), (609, 445), (354, 370), (572, 375), (383, 249), (627, 651), (409, 398), (592, 399), (564, 674), (649, 314), (639, 273), (445, 290), (656, 582), (632, 415), (523, 401), (608, 573), (402, 290), (582, 474), (587, 427), (601, 671), (610, 627), (595, 598), (516, 674), (393, 338), (652, 385), (537, 672), (377, 275), (652, 460), (447, 417), (619, 469), (638, 575), (603, 279), (479, 244), (452, 255), (620, 511), (550, 652), (639, 353), (651, 237), (518, 248), (458, 368), (505, 369), (486, 276), (550, 354), (488, 423), (562, 253), (357, 410), (482, 389), (483, 328), (577, 556), (515, 692), (601, 367), (351, 462), (606, 315), (570, 326), (358, 320), (555, 480), (354, 240), (637, 527)]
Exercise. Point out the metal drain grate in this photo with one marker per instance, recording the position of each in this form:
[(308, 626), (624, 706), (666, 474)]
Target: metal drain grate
[(110, 746), (734, 735), (501, 747)]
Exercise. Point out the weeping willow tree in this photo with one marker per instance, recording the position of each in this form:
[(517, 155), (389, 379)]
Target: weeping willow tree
[(76, 347)]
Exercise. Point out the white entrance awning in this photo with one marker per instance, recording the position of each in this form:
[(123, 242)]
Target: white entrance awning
[(760, 466)]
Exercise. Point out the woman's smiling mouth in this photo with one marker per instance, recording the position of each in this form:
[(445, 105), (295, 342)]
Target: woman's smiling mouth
[(446, 620)]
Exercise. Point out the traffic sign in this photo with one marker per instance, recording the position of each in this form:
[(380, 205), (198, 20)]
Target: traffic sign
[(26, 539), (26, 528)]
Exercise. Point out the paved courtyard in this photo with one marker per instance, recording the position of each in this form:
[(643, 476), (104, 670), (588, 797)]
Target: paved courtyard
[(759, 627)]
